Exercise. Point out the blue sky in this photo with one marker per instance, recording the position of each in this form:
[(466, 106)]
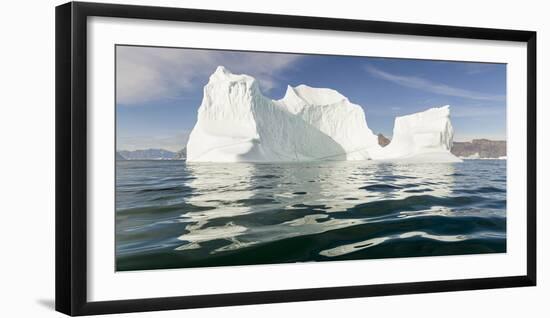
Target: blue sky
[(160, 89)]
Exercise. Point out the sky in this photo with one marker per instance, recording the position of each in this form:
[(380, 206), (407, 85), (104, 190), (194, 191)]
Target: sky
[(159, 90)]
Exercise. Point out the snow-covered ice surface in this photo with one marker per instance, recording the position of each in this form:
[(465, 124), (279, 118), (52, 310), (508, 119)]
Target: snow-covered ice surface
[(236, 123)]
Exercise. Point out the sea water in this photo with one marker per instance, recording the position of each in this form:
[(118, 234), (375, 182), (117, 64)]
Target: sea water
[(173, 214)]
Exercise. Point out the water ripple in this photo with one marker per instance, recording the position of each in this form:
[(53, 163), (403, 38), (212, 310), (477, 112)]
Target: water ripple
[(171, 214)]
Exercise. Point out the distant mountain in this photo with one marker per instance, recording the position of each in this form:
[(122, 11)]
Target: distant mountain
[(181, 155), (475, 149), (382, 140), (480, 148), (119, 156), (147, 154)]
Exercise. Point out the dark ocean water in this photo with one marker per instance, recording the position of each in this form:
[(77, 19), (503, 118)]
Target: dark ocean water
[(173, 214)]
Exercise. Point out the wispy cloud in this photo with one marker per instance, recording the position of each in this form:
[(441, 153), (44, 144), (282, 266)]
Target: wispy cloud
[(147, 74), (429, 86)]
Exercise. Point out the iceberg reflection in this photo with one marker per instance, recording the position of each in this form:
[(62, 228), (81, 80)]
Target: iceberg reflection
[(245, 204)]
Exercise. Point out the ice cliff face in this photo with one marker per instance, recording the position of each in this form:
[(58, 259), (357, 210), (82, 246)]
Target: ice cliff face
[(237, 123), (335, 116)]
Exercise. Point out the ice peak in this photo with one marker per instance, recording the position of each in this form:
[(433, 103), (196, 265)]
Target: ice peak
[(290, 95), (222, 74), (289, 91), (222, 70)]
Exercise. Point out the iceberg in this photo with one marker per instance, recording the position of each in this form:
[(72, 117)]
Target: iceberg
[(421, 137), (237, 123)]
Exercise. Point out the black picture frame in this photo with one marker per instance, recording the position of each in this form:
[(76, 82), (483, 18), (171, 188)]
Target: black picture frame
[(71, 157)]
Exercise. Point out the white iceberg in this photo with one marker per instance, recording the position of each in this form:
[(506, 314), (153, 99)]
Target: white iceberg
[(421, 137), (236, 123)]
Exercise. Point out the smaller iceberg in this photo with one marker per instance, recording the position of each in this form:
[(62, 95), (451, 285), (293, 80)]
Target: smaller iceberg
[(421, 137)]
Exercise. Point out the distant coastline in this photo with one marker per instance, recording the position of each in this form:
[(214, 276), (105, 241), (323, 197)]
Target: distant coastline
[(151, 154), (480, 149), (475, 149)]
